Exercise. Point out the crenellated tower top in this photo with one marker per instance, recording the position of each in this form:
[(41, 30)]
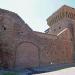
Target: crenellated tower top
[(63, 12)]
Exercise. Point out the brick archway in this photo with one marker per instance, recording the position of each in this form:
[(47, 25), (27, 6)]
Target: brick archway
[(27, 55)]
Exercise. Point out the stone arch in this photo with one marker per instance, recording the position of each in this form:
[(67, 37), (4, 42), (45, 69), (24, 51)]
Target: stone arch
[(27, 55)]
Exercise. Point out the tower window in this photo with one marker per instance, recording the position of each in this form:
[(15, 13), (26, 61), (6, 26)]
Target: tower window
[(4, 28)]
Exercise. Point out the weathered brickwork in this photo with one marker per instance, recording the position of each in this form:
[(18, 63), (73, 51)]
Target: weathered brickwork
[(22, 47)]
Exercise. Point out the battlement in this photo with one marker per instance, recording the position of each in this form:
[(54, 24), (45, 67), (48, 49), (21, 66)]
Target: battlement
[(63, 12)]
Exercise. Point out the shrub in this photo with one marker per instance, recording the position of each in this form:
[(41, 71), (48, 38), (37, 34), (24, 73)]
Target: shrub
[(10, 73)]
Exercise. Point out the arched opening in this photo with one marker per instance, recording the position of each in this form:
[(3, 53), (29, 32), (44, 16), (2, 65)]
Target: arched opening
[(27, 55)]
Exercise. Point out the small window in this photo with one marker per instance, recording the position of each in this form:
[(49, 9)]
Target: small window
[(4, 28)]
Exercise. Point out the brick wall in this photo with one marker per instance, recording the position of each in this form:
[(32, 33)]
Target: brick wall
[(26, 48)]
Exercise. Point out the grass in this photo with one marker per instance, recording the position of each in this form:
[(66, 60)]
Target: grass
[(10, 73)]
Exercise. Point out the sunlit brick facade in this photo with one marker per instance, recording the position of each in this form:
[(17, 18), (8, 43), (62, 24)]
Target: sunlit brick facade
[(22, 47)]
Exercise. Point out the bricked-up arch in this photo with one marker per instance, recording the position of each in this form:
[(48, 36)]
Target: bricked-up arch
[(27, 55)]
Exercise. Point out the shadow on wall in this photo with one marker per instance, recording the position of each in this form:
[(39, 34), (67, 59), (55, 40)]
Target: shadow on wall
[(36, 70)]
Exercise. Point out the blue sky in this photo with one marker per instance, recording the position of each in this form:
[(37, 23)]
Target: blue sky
[(35, 12)]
